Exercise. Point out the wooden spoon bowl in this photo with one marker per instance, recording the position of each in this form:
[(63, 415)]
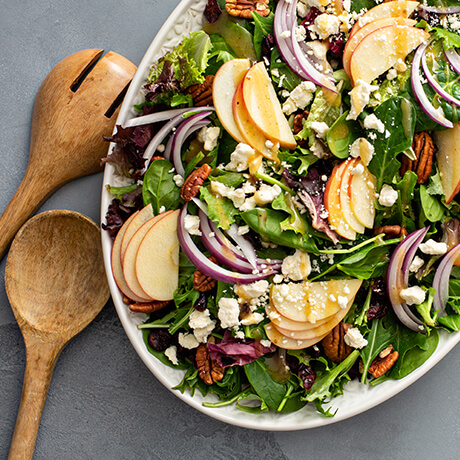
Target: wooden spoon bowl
[(56, 283)]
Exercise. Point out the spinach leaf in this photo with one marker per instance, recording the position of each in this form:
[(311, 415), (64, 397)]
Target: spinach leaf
[(451, 322), (370, 264), (287, 79), (431, 206), (230, 179), (159, 187), (262, 27), (398, 117), (300, 159), (357, 5), (341, 135)]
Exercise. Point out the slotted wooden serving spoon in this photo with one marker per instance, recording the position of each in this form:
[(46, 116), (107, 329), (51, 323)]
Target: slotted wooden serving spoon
[(77, 103), (55, 281)]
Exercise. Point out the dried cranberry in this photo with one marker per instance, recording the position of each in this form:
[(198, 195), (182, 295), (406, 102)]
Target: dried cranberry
[(431, 18), (307, 375), (336, 44), (212, 11), (201, 303), (159, 340), (379, 300), (268, 42), (309, 20)]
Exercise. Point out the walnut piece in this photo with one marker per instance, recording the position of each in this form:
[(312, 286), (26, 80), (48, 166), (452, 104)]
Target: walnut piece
[(384, 362), (423, 147), (201, 282), (194, 181), (244, 8), (201, 92), (208, 370), (334, 344), (148, 307)]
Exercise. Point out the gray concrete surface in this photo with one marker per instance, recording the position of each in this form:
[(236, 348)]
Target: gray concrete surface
[(103, 402)]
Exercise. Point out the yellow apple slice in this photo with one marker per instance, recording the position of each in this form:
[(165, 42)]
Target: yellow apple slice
[(362, 197), (332, 204), (313, 301), (281, 322), (448, 158), (157, 260), (129, 260), (227, 79), (252, 135), (357, 37), (380, 50), (145, 214), (348, 215), (264, 108), (398, 8), (287, 343), (322, 329), (117, 269)]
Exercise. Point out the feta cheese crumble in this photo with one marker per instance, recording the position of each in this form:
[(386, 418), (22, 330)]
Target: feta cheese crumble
[(388, 196), (359, 98), (416, 264), (171, 354), (239, 158), (299, 97), (229, 312), (353, 338), (414, 295), (297, 266), (372, 122), (433, 248), (192, 224), (209, 137)]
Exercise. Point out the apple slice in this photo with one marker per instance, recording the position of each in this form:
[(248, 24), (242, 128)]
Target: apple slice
[(252, 135), (448, 158), (357, 37), (145, 214), (227, 79), (264, 107), (129, 260), (157, 260), (361, 191), (399, 8), (288, 343), (324, 328), (117, 269), (332, 203), (313, 301), (348, 215), (380, 50)]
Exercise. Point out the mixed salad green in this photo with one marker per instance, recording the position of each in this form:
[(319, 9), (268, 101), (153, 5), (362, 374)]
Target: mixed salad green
[(269, 226)]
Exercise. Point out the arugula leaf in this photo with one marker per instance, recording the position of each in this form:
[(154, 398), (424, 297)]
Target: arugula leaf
[(398, 117), (220, 210), (284, 202), (159, 187)]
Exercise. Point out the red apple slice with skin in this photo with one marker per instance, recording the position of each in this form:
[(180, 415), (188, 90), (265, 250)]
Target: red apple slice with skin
[(145, 214), (353, 42), (361, 191), (287, 343), (117, 269), (380, 50), (448, 158), (393, 9), (264, 108), (332, 204), (157, 260), (324, 328), (227, 79), (129, 260), (348, 215), (252, 135)]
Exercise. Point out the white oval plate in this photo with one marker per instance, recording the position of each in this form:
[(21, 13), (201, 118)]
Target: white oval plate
[(357, 398)]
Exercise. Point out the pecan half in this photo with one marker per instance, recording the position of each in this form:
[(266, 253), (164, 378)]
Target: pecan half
[(201, 92), (202, 282), (391, 231), (148, 307), (384, 362), (194, 181), (424, 148), (334, 344), (244, 8), (209, 371)]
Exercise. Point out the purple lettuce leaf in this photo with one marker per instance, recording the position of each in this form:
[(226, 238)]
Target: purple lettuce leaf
[(117, 214), (165, 82)]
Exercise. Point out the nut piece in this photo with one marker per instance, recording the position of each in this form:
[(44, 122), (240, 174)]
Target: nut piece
[(298, 121), (150, 307), (391, 231), (423, 147), (194, 181), (334, 344), (202, 282), (209, 371), (244, 8), (384, 362), (201, 92)]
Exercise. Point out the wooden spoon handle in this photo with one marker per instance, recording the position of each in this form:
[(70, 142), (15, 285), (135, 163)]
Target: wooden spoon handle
[(41, 359), (25, 201)]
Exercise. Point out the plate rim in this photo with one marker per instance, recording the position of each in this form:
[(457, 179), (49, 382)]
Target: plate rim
[(129, 320)]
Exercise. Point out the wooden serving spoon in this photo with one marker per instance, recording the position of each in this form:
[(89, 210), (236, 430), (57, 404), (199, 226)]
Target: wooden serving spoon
[(56, 283), (77, 103)]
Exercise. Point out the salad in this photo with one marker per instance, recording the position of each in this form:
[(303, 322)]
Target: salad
[(286, 210)]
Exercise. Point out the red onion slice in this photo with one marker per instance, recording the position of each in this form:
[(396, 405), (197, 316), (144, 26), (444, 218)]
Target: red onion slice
[(453, 58), (396, 279), (441, 279), (158, 116), (419, 93), (435, 85), (441, 9), (207, 267)]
